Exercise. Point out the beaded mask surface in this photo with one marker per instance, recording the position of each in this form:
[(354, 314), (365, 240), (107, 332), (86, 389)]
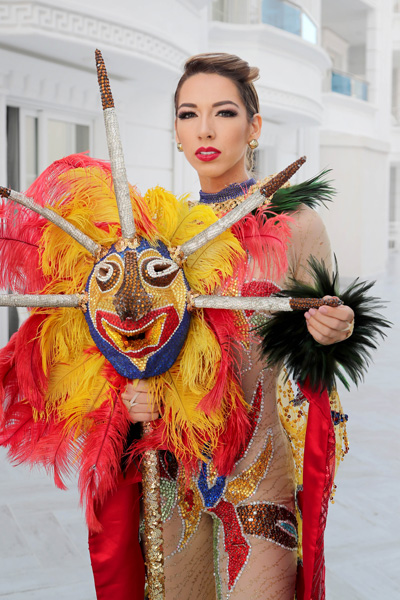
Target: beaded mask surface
[(137, 311)]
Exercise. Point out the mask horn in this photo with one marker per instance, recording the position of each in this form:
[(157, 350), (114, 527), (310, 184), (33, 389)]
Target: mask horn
[(53, 217), (115, 152), (240, 211), (259, 303), (44, 300)]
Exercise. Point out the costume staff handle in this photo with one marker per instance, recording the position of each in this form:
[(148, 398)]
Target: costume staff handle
[(153, 522)]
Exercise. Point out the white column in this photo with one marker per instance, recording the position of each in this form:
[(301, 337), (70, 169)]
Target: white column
[(3, 137), (3, 182), (379, 63)]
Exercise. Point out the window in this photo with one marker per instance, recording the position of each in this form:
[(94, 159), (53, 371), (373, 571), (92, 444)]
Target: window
[(34, 140), (64, 138)]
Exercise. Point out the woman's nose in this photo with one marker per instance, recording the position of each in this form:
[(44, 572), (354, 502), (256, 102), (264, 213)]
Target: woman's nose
[(206, 130)]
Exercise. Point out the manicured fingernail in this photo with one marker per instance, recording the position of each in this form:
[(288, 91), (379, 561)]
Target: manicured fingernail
[(307, 315), (323, 309), (312, 311)]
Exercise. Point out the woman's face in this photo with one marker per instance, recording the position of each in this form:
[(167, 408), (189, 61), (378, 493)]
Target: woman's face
[(214, 130)]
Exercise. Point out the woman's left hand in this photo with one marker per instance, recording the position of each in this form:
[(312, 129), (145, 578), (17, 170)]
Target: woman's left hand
[(330, 324)]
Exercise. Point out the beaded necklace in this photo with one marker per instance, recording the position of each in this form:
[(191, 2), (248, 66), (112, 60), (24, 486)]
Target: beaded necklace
[(230, 192)]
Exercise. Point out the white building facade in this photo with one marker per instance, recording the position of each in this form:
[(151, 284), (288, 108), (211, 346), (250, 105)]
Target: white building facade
[(329, 88)]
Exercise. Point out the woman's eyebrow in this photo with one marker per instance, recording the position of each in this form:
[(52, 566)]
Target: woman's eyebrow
[(220, 103), (188, 104), (225, 102)]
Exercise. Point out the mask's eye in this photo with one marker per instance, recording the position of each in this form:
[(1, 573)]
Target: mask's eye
[(107, 274), (159, 272)]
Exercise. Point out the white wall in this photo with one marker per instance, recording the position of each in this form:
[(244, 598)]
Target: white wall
[(357, 220)]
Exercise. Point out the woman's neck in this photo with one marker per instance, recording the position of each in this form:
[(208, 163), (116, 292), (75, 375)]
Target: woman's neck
[(213, 185)]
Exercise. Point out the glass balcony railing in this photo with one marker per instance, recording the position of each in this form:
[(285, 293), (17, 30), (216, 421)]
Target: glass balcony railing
[(289, 17), (349, 85), (284, 14)]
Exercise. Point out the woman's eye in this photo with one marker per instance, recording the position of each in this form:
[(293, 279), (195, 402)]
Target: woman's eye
[(186, 114), (159, 272), (226, 113), (107, 275)]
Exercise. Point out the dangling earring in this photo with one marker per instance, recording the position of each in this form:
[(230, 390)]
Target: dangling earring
[(180, 147), (253, 144)]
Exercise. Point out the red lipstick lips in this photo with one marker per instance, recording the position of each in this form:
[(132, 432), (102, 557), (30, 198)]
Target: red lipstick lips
[(207, 154)]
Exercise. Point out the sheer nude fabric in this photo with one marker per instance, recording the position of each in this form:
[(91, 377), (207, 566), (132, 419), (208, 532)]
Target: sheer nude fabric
[(270, 571)]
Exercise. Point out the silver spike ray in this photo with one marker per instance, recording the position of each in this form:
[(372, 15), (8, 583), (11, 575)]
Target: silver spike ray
[(115, 152), (149, 463), (240, 211), (42, 300), (260, 303), (78, 235)]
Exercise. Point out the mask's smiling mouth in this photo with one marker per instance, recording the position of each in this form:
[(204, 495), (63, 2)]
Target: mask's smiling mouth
[(134, 340), (138, 338)]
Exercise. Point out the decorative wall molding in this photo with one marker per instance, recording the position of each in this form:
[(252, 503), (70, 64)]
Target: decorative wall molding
[(33, 90), (195, 5), (290, 101), (17, 18)]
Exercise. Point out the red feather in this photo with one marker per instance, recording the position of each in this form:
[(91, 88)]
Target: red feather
[(46, 188), (20, 432), (19, 249), (158, 439), (266, 239), (222, 324), (32, 381), (233, 439), (8, 380), (102, 449)]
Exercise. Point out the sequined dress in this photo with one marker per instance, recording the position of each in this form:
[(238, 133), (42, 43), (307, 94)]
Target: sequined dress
[(236, 537)]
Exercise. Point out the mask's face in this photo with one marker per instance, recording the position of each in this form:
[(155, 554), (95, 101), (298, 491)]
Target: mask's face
[(137, 311)]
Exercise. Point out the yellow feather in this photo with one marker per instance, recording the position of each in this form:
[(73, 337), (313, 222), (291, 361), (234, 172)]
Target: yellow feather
[(77, 388), (191, 221), (200, 357), (63, 337), (212, 264), (178, 392), (164, 209)]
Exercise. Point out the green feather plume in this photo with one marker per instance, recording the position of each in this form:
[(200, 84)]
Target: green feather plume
[(312, 193), (285, 338)]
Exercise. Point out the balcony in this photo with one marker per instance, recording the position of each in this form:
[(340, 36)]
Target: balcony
[(349, 85), (283, 14)]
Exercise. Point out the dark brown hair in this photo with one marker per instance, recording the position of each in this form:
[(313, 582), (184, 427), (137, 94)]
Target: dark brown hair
[(227, 65)]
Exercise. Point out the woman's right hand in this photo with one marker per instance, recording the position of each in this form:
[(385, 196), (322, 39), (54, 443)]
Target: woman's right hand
[(138, 402)]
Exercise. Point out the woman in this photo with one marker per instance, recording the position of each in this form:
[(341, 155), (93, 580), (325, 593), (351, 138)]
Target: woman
[(234, 552)]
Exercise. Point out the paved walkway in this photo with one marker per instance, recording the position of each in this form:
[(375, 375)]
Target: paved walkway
[(43, 548)]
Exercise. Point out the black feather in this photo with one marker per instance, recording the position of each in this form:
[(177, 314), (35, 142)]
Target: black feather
[(285, 337)]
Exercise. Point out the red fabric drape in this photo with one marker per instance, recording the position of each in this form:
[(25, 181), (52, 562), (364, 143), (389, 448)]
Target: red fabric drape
[(115, 552), (319, 463)]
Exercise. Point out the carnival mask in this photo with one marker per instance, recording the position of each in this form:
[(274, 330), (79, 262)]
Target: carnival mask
[(137, 312)]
